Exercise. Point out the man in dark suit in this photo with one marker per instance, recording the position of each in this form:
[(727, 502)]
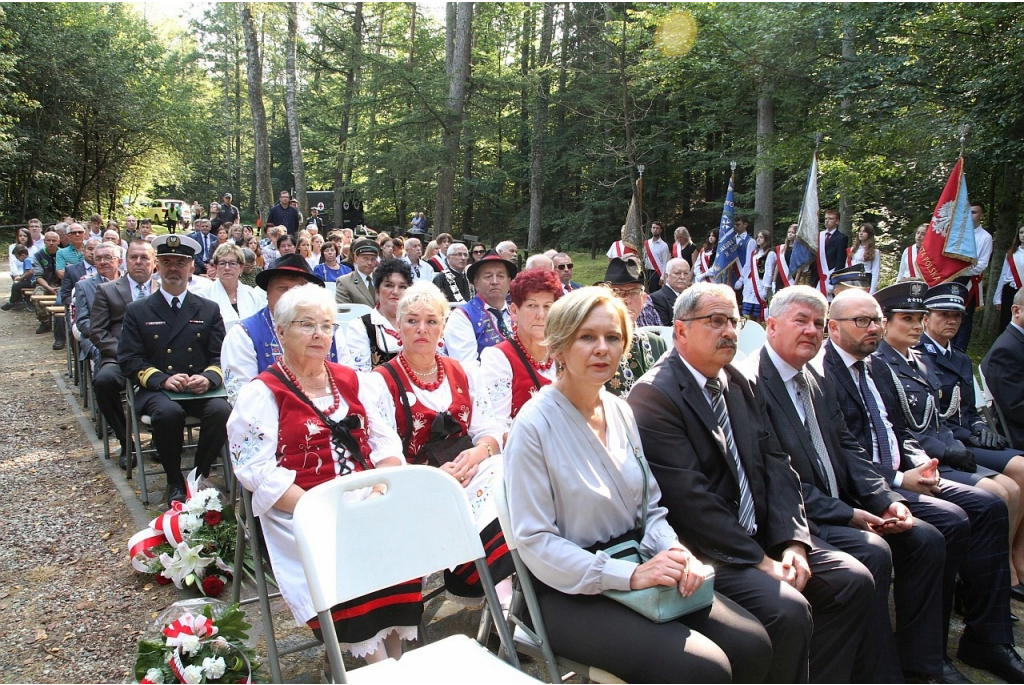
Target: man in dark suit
[(973, 522), (735, 501), (563, 265), (107, 258), (207, 244), (452, 279), (834, 255), (1003, 367), (357, 287), (847, 501), (170, 342), (677, 279), (73, 273)]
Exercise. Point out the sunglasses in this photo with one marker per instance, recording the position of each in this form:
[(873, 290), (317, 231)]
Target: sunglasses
[(478, 251), (563, 267)]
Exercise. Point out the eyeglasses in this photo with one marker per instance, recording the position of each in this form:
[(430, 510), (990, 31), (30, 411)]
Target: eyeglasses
[(716, 321), (230, 265), (478, 251), (862, 321), (628, 294), (108, 258), (563, 267), (76, 232), (310, 327)]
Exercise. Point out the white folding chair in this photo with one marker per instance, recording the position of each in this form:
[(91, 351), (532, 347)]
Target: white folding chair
[(664, 331), (350, 549), (332, 288), (349, 312), (534, 642), (751, 338)]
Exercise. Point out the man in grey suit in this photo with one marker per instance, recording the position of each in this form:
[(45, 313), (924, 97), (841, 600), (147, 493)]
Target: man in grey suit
[(357, 287), (107, 259), (735, 501), (848, 504), (107, 314)]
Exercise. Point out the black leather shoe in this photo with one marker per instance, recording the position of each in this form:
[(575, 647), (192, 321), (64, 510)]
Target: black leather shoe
[(7, 306), (59, 344), (175, 493), (43, 328), (1002, 660), (1017, 592), (122, 460), (949, 674)]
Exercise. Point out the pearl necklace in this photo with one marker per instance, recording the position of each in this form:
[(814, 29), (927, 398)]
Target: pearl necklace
[(533, 362), (335, 393), (414, 376)]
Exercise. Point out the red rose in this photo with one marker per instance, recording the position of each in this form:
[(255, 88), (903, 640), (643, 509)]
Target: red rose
[(161, 580), (212, 518), (213, 586)]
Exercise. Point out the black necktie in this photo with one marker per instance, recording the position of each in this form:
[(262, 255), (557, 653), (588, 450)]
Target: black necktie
[(415, 271), (496, 313), (175, 305), (881, 435)]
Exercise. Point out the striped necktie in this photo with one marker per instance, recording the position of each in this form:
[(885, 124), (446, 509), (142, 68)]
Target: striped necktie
[(877, 425), (746, 513), (811, 423)]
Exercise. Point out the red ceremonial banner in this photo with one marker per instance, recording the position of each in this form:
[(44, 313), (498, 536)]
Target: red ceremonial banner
[(935, 263)]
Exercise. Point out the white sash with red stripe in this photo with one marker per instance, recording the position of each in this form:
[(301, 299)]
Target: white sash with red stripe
[(755, 276), (910, 254), (822, 263), (650, 258), (849, 256), (1016, 264), (781, 265)]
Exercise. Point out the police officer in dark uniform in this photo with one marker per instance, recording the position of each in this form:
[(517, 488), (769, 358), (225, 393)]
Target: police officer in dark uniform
[(170, 342)]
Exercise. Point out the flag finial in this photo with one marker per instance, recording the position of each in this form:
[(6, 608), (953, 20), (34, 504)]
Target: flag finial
[(818, 137), (732, 165)]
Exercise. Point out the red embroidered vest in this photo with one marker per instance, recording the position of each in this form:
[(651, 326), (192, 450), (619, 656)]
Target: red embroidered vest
[(461, 407), (523, 387), (303, 442)]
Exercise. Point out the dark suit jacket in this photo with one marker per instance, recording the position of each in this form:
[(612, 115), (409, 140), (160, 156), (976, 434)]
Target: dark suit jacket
[(156, 343), (952, 371), (72, 275), (856, 413), (664, 300), (1003, 367), (351, 289), (689, 459), (860, 485), (211, 247), (441, 281), (107, 315)]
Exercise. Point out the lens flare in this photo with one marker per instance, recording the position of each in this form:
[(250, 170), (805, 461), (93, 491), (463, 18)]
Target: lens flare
[(676, 34)]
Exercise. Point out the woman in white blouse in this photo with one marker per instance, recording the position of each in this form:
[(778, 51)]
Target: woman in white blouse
[(1011, 278), (705, 256), (863, 251), (445, 421), (302, 422), (373, 339), (575, 482), (236, 300)]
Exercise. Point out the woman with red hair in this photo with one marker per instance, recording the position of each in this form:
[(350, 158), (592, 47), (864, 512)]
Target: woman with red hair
[(513, 370)]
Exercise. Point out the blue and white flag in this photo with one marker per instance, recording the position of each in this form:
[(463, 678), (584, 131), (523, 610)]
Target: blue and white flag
[(805, 248), (728, 247)]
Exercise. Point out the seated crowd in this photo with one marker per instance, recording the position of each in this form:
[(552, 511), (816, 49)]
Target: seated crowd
[(846, 452)]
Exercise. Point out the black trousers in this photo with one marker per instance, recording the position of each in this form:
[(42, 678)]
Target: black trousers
[(168, 430), (721, 644), (835, 603), (975, 525), (108, 382), (918, 555)]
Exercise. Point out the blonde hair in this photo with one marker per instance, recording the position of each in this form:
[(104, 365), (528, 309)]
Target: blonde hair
[(423, 294), (570, 312)]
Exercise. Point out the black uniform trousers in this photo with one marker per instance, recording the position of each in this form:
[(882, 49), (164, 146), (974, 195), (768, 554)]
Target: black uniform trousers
[(168, 418), (975, 525), (918, 645), (839, 596)]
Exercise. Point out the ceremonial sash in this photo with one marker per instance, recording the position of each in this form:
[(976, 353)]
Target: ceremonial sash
[(849, 256), (650, 258), (1015, 268), (755, 277), (456, 293), (974, 290), (911, 255), (621, 249), (677, 251), (822, 264), (781, 265)]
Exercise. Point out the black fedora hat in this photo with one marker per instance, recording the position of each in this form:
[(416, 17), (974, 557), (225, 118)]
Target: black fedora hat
[(491, 257), (623, 272), (288, 265)]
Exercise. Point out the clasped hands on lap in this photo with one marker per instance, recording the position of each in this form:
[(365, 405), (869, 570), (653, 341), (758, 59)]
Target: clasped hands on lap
[(182, 382), (675, 566)]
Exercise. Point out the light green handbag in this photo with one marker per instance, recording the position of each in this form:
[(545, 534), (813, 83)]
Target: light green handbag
[(661, 603)]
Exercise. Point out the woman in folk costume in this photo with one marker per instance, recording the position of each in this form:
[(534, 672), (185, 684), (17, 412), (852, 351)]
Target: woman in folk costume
[(783, 253), (373, 339), (302, 422), (706, 257), (445, 421), (512, 371), (1011, 278), (757, 277), (908, 260), (863, 251)]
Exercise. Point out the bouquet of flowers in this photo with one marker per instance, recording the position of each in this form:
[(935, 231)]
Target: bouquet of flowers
[(206, 642), (187, 544)]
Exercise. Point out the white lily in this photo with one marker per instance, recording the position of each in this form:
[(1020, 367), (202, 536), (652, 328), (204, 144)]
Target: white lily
[(186, 561)]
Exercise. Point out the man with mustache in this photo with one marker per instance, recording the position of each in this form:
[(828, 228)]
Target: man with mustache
[(735, 501)]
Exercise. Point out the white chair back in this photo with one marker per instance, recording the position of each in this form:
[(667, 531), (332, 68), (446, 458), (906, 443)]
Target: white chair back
[(751, 338), (350, 312), (332, 288)]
